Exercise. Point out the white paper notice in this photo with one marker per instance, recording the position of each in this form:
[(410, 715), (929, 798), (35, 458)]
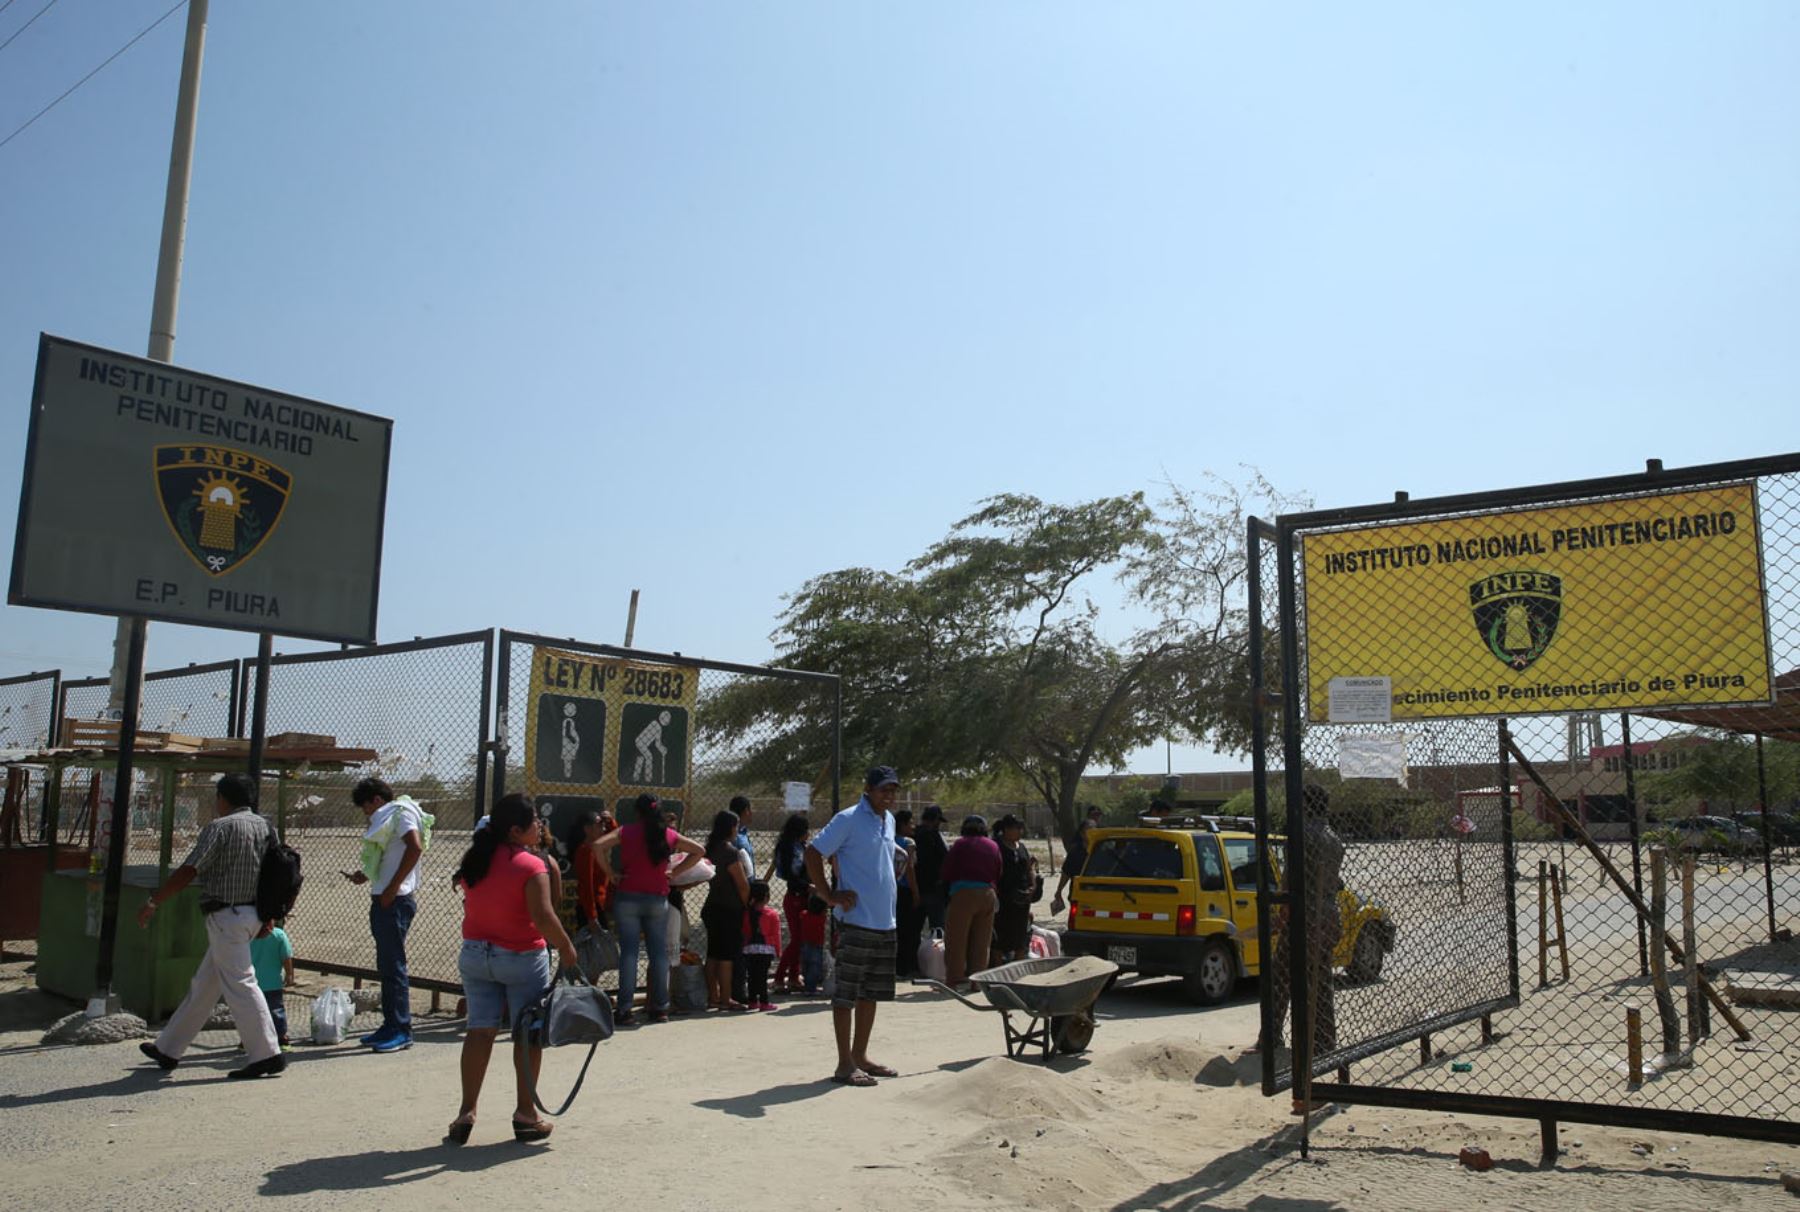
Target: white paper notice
[(1361, 701), (796, 797), (1373, 755)]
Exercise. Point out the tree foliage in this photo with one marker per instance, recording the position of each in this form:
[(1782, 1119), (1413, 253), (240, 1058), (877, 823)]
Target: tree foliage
[(989, 649)]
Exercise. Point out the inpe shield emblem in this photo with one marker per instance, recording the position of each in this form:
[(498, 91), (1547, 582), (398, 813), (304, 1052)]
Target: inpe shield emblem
[(1516, 614), (222, 504)]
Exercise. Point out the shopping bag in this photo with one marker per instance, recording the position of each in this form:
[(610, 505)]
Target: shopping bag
[(331, 1015), (687, 986), (597, 950), (931, 958)]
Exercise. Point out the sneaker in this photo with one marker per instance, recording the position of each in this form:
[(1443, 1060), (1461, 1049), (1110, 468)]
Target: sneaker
[(376, 1036), (767, 1006), (271, 1067), (398, 1042), (166, 1061), (624, 1018)]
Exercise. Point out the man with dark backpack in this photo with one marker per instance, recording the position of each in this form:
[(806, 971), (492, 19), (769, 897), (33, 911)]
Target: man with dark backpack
[(228, 861)]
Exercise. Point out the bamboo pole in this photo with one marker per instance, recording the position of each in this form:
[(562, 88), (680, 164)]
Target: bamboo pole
[(1612, 872), (1562, 935), (1659, 939), (1543, 923)]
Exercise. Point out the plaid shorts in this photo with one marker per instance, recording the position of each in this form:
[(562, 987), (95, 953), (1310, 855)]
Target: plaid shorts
[(865, 966)]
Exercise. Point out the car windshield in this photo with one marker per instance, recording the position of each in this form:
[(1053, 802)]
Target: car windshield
[(1144, 858)]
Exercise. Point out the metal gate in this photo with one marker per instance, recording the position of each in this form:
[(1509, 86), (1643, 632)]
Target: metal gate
[(1561, 914)]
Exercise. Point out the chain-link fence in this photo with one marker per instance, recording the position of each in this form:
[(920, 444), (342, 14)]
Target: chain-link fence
[(1539, 755), (421, 707), (27, 722), (769, 735)]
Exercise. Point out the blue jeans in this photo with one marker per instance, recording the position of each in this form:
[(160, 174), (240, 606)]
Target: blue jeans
[(644, 913), (812, 966), (389, 926), (278, 1011)]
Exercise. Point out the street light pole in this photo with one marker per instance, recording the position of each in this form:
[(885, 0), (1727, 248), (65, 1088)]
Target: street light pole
[(125, 685)]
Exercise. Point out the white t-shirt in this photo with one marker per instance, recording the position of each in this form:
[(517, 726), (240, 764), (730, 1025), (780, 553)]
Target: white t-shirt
[(407, 822)]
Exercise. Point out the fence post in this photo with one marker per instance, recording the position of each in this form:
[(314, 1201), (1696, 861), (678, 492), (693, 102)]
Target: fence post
[(484, 735), (502, 709), (1762, 802), (1634, 1045), (1691, 947)]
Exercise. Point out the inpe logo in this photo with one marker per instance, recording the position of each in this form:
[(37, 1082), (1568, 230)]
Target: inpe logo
[(1516, 614), (222, 504)]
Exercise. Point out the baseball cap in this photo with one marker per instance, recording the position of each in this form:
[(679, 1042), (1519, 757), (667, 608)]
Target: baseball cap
[(882, 776), (932, 813)]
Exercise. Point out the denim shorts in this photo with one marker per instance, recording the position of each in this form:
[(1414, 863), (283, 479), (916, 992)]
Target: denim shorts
[(498, 983)]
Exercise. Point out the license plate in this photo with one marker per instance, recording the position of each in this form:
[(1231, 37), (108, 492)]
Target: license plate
[(1122, 955)]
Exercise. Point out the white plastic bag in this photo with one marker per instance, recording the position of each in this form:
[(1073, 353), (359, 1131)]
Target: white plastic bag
[(331, 1015), (1045, 944), (699, 873), (931, 958)]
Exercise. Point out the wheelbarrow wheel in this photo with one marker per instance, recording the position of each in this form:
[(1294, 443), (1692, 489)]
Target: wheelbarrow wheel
[(1074, 1033)]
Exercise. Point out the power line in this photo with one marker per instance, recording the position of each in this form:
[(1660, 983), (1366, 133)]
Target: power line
[(27, 25), (65, 96), (7, 5)]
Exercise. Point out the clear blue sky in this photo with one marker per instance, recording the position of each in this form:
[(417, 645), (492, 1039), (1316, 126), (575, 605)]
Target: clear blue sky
[(707, 299)]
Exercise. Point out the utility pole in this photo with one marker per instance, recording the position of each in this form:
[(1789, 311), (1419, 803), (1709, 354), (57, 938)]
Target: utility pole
[(631, 620), (126, 684)]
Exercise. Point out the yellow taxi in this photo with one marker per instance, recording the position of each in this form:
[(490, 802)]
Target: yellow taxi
[(1177, 897)]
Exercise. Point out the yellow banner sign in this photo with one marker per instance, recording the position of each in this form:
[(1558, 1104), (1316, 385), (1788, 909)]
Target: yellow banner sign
[(1639, 602), (603, 731)]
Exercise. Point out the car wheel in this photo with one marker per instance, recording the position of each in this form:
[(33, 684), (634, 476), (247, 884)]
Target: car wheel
[(1366, 960), (1214, 977)]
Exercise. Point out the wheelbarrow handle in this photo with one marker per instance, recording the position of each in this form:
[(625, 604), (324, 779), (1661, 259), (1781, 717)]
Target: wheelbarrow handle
[(941, 987)]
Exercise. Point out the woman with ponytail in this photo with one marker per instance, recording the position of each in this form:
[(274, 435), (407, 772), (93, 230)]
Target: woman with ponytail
[(641, 900), (507, 916)]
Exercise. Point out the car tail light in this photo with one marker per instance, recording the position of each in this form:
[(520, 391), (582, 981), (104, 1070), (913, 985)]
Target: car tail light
[(1074, 912), (1185, 919)]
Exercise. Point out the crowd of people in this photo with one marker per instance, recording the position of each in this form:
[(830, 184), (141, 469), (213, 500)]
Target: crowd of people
[(856, 899)]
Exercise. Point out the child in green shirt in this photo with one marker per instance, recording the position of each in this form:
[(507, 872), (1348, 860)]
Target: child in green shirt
[(272, 956)]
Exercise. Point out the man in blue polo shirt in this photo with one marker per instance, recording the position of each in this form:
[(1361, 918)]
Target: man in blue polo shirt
[(862, 841)]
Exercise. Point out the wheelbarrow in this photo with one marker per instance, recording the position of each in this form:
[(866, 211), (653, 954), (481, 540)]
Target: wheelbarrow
[(1059, 1012)]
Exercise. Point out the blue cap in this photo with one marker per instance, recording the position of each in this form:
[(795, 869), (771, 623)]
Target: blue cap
[(882, 776)]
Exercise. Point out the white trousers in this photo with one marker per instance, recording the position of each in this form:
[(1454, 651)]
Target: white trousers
[(224, 969)]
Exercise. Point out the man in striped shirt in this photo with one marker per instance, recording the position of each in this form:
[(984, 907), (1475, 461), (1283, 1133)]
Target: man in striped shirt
[(226, 860)]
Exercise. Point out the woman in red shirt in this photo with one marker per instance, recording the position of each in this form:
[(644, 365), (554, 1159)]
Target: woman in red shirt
[(971, 871), (593, 891), (507, 915), (641, 900)]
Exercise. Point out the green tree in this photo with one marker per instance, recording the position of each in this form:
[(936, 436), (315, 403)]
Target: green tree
[(988, 650), (1721, 773)]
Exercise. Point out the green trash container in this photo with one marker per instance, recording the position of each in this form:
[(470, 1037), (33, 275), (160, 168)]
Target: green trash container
[(151, 968)]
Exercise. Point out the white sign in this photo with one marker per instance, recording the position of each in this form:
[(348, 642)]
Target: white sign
[(1361, 701), (796, 797), (1373, 755)]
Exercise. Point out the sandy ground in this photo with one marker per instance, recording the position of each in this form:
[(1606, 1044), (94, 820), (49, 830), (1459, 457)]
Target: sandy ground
[(711, 1113)]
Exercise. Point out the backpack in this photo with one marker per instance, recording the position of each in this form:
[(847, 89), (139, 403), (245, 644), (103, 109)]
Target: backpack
[(278, 880)]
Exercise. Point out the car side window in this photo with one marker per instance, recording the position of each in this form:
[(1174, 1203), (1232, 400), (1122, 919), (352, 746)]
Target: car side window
[(1212, 870), (1240, 856)]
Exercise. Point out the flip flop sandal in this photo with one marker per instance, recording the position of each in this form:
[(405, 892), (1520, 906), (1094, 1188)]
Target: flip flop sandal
[(880, 1071), (855, 1077)]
